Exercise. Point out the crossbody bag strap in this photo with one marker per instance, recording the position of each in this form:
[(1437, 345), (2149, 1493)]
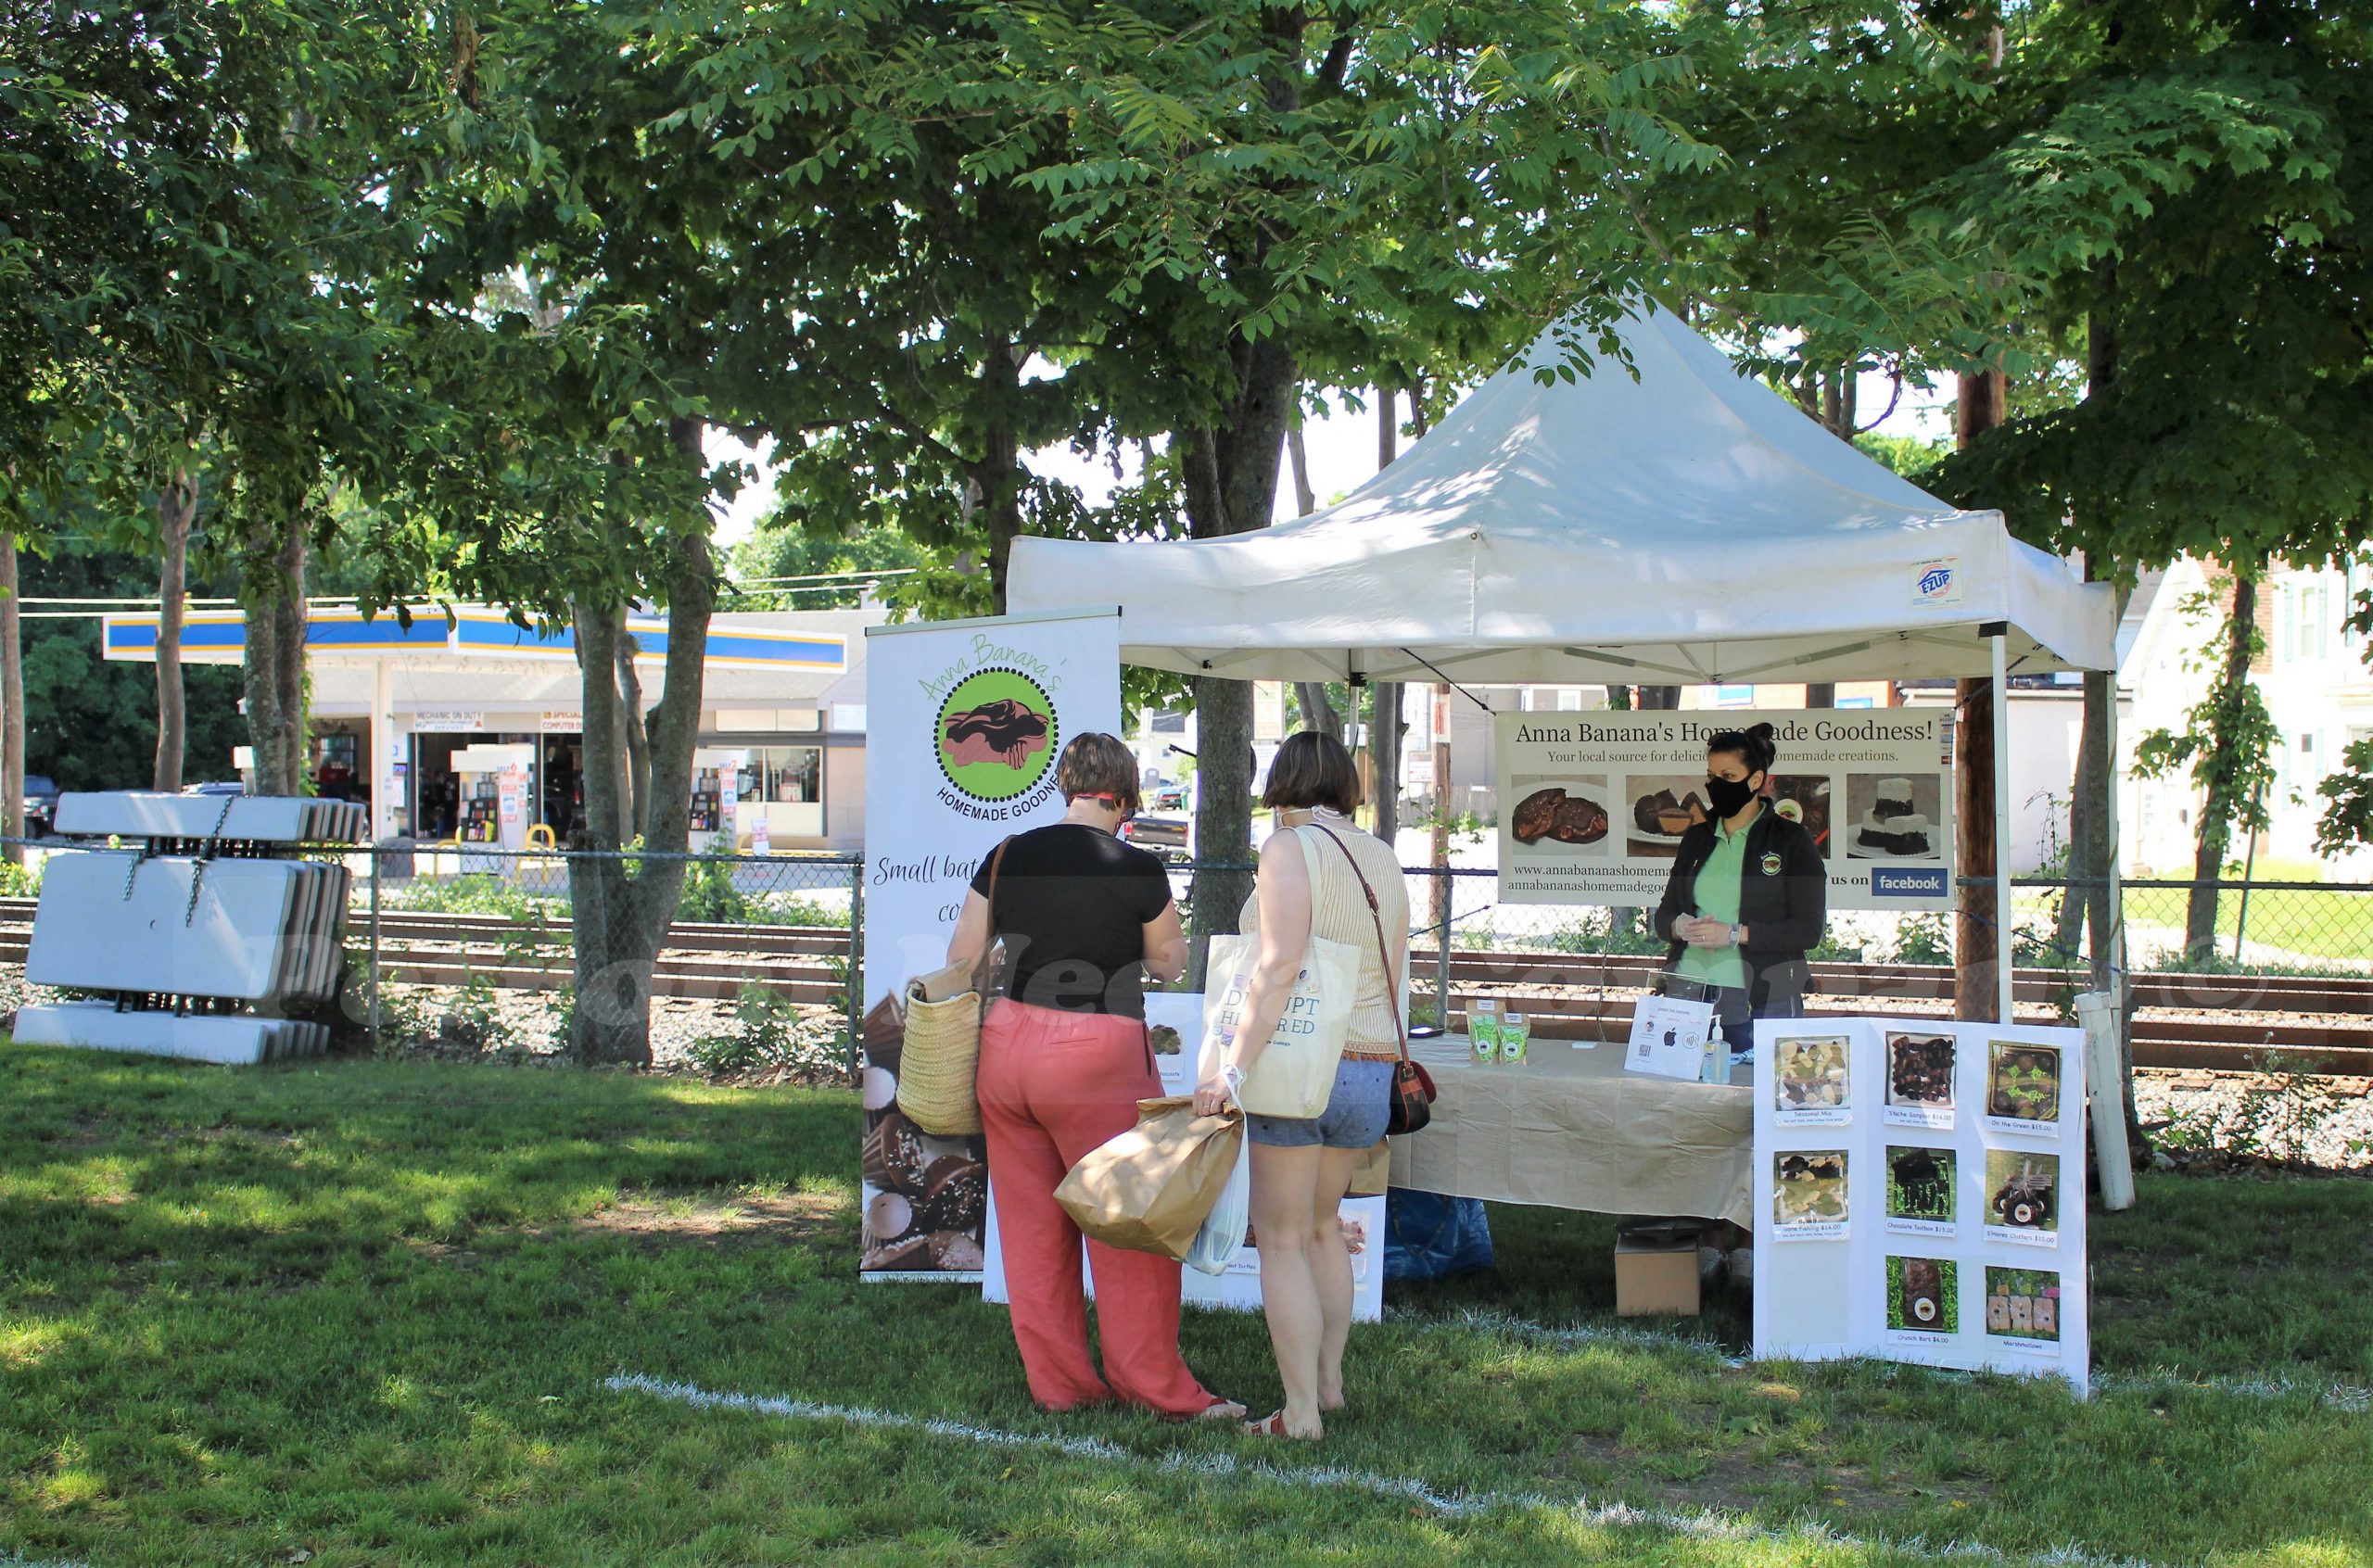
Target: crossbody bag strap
[(1383, 948), (985, 964)]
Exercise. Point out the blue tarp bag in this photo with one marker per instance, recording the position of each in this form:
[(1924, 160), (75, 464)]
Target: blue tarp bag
[(1428, 1236)]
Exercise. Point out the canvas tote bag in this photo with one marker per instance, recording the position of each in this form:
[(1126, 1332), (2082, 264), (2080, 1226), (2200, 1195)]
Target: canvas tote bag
[(1295, 1076), (1150, 1189), (943, 1051)]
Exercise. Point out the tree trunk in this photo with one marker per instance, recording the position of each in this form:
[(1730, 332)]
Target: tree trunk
[(1305, 499), (1385, 732), (1317, 710), (1977, 948), (2085, 836), (636, 816), (176, 506), (2218, 809), (1437, 915), (621, 915), (1231, 484), (998, 474), (12, 703), (274, 673)]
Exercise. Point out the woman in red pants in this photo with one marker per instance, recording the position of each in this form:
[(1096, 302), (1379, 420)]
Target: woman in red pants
[(1064, 1060)]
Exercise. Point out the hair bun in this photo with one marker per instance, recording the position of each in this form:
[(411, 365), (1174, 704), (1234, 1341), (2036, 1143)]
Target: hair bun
[(1763, 731)]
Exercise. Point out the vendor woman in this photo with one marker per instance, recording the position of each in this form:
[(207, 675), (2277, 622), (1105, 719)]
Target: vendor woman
[(1748, 897)]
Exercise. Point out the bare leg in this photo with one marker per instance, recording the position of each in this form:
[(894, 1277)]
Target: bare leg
[(1330, 1268), (1285, 1183)]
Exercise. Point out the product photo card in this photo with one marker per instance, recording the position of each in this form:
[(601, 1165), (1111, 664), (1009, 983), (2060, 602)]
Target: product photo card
[(1922, 1190), (1814, 1080), (1920, 1080), (1809, 1196)]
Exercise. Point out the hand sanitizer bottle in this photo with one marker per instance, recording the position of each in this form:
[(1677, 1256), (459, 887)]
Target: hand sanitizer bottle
[(1717, 1066)]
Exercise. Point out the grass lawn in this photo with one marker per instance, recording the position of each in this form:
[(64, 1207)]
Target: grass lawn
[(364, 1312), (2337, 925)]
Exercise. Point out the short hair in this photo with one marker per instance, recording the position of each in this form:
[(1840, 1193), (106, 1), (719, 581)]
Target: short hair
[(1096, 764), (1754, 747), (1312, 768)]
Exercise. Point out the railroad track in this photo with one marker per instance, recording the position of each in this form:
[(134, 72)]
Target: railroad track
[(2181, 1020)]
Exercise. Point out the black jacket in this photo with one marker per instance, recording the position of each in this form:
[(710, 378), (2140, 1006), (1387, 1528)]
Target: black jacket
[(1783, 904)]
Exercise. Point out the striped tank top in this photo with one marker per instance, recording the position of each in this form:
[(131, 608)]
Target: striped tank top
[(1339, 912)]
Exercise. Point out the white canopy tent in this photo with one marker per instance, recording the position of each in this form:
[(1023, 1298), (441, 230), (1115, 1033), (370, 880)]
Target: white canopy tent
[(1681, 524)]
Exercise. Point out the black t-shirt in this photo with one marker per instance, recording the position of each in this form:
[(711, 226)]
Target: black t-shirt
[(1072, 906)]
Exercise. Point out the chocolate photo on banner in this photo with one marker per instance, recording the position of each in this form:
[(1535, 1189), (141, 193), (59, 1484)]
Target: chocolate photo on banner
[(1924, 1296), (1894, 817), (2023, 1083), (1920, 1078), (1658, 808), (923, 1199), (1804, 800), (2023, 1305), (1563, 814)]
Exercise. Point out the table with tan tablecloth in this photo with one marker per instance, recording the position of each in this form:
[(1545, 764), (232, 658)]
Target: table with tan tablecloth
[(1570, 1129)]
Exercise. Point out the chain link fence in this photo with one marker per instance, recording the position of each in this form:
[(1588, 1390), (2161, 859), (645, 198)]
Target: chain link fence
[(471, 949)]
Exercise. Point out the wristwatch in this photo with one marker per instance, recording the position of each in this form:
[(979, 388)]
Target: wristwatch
[(1734, 935)]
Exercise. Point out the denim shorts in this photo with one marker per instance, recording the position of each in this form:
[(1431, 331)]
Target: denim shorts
[(1355, 1118)]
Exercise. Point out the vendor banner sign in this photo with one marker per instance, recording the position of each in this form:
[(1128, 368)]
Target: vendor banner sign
[(967, 720), (1592, 805)]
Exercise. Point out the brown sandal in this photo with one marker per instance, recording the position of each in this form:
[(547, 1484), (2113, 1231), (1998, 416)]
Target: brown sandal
[(1275, 1427)]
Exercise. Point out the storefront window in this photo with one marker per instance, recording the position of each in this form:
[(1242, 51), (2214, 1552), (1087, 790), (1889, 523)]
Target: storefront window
[(780, 787)]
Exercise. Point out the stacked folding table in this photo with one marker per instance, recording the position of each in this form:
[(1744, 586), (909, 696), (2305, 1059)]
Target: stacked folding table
[(200, 934)]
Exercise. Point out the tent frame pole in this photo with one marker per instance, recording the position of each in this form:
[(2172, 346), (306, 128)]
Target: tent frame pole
[(2004, 946)]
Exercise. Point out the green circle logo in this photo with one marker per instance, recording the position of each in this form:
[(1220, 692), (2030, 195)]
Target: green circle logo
[(996, 734)]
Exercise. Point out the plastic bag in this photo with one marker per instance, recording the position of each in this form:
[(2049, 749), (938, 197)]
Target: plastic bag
[(1428, 1236), (1222, 1236)]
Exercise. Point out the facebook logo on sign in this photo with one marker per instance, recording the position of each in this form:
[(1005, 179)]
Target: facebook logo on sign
[(1923, 883)]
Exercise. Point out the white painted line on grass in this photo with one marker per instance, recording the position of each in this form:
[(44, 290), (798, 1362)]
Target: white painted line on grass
[(2346, 1398), (1708, 1525)]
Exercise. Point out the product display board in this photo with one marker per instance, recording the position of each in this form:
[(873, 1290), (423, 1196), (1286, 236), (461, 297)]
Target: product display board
[(971, 717), (1177, 1020), (1922, 1195), (1592, 805)]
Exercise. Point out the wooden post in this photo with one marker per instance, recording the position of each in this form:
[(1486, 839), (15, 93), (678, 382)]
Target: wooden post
[(1976, 948)]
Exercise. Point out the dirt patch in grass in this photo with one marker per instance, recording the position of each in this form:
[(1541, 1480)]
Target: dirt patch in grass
[(1751, 1485), (783, 1217)]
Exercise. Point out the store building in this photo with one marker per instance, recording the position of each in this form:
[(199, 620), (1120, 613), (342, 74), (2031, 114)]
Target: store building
[(468, 728)]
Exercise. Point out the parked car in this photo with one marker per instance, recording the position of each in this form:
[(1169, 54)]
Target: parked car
[(1169, 836), (41, 804)]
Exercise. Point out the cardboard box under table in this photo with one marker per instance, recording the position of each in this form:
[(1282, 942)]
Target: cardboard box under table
[(1572, 1129)]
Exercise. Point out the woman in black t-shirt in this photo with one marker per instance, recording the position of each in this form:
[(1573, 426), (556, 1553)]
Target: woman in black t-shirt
[(1064, 1060)]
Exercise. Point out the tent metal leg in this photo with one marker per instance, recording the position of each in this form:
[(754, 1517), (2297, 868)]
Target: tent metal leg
[(2004, 946)]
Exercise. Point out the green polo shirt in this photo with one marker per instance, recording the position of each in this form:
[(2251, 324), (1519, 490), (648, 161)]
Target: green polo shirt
[(1717, 895)]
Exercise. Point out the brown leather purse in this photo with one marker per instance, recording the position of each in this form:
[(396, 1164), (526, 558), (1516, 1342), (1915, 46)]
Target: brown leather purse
[(1413, 1086)]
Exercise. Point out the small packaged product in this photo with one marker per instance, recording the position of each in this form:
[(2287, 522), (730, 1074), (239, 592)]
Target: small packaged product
[(1515, 1038), (1483, 1028)]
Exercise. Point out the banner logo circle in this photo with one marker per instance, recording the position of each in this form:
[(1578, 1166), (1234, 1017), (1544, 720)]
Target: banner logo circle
[(997, 734)]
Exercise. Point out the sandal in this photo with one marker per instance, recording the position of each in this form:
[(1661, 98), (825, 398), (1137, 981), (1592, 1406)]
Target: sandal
[(1219, 1409), (1274, 1427)]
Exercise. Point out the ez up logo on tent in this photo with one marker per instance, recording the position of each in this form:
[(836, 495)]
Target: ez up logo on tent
[(1937, 582)]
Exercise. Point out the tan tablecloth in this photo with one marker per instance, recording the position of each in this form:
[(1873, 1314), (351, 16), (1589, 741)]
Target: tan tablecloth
[(1572, 1129)]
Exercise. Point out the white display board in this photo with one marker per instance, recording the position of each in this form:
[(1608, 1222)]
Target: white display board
[(1593, 804), (1239, 1285), (974, 715), (1922, 1193)]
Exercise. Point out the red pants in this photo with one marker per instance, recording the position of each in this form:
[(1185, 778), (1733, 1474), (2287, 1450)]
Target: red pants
[(1054, 1085)]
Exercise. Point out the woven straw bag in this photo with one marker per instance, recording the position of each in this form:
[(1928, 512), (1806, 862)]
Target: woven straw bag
[(943, 1051)]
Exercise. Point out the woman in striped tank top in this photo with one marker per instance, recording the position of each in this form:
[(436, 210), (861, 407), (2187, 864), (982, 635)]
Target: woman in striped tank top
[(1302, 1168)]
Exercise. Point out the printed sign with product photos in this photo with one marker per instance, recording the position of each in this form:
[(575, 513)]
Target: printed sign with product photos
[(975, 715), (1593, 805), (1937, 1244)]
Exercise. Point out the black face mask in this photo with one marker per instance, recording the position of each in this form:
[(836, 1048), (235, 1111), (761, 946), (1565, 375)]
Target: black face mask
[(1728, 796)]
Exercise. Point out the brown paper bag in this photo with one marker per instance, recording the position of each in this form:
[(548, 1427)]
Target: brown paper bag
[(1150, 1189)]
